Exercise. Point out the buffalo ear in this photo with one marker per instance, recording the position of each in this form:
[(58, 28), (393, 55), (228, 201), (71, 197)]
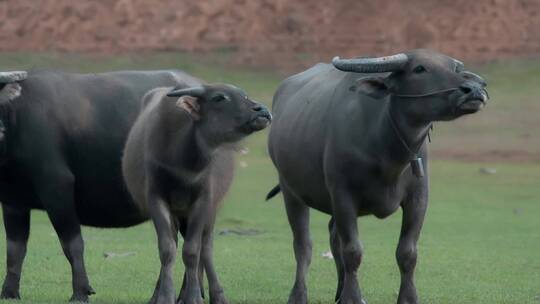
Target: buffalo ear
[(373, 86), (191, 105)]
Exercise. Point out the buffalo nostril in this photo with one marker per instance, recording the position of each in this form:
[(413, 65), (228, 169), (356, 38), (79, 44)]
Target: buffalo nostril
[(465, 89)]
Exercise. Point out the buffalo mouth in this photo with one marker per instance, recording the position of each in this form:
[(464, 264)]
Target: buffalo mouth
[(473, 104), (259, 122)]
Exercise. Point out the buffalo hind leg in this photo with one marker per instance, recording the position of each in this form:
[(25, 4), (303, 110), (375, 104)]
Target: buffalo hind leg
[(17, 226), (298, 216), (345, 216), (335, 246), (406, 253), (57, 194)]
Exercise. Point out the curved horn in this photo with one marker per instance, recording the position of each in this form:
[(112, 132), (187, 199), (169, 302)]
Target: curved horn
[(12, 76), (371, 65), (193, 91)]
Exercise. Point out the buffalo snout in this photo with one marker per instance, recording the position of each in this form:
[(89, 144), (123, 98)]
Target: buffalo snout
[(261, 117), (470, 76), (474, 97), (474, 88)]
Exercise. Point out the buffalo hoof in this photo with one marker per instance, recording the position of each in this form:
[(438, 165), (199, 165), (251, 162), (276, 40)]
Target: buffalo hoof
[(10, 289), (362, 301), (218, 298), (161, 300), (79, 299), (351, 296), (82, 296), (410, 301), (298, 296), (407, 297), (181, 295), (10, 295), (190, 298), (197, 300)]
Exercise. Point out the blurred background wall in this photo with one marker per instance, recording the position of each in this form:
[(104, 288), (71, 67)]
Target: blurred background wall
[(278, 33)]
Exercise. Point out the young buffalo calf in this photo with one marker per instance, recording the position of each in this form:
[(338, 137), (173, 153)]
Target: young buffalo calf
[(178, 164)]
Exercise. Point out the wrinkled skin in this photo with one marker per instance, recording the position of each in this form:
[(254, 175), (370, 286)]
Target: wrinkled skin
[(178, 165), (335, 150)]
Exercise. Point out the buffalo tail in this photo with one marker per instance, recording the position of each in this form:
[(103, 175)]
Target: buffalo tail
[(273, 192)]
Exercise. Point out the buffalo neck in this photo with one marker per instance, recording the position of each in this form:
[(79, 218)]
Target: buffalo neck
[(187, 144), (192, 150), (403, 137)]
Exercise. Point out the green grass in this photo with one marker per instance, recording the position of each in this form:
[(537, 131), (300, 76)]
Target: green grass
[(480, 242)]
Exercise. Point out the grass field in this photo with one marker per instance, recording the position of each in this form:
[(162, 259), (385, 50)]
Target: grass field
[(480, 242)]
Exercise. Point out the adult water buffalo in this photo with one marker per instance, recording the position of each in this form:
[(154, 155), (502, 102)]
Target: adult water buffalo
[(348, 139), (61, 147)]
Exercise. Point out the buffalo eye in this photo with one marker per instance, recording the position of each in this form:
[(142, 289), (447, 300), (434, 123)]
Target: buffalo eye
[(220, 98), (419, 69)]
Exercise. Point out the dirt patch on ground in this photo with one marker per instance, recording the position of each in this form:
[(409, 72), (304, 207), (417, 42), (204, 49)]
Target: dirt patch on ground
[(279, 33)]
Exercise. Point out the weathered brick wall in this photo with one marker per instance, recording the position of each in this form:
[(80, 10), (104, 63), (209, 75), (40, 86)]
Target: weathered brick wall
[(281, 32)]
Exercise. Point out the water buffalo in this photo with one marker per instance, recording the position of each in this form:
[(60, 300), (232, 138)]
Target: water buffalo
[(61, 145), (178, 165), (348, 139)]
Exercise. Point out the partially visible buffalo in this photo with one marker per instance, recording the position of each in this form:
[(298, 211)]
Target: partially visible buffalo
[(61, 143), (178, 165), (348, 139)]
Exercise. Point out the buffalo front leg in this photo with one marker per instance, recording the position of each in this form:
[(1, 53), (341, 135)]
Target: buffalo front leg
[(406, 253), (335, 246), (217, 295), (17, 226), (183, 230), (158, 283), (191, 252), (345, 215), (167, 239), (298, 216), (57, 194)]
